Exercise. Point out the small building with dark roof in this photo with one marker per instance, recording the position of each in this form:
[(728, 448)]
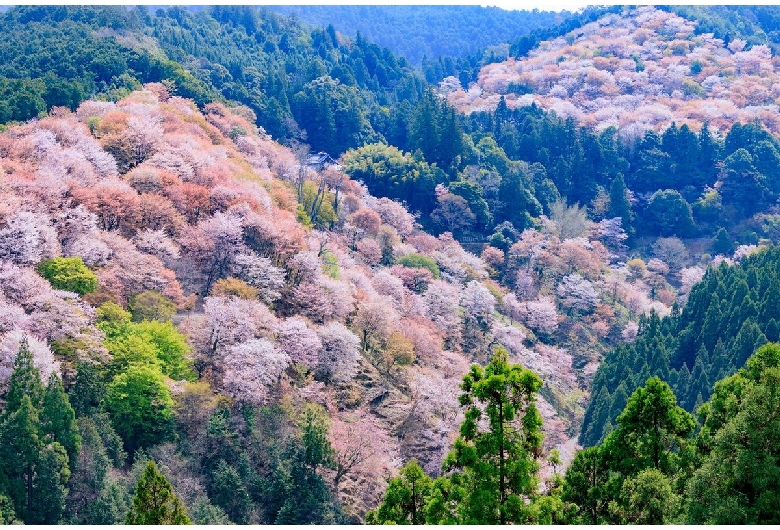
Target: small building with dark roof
[(320, 161)]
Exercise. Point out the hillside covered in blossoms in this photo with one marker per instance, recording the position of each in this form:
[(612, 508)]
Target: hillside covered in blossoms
[(257, 272), (642, 69)]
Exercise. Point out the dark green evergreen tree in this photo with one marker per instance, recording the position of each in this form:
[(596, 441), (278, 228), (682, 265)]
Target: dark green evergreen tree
[(58, 420), (722, 244), (49, 490), (155, 502), (585, 487), (651, 431), (405, 499), (619, 203), (20, 447), (737, 481), (229, 492), (25, 380), (498, 465)]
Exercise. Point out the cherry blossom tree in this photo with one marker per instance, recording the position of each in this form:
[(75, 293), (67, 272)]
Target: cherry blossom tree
[(232, 320), (323, 299), (28, 238), (630, 332), (426, 338), (511, 337), (131, 272), (577, 293), (192, 200), (156, 212), (55, 315), (415, 279), (367, 221), (375, 321), (213, 245), (12, 316), (20, 284), (158, 244), (478, 302), (43, 359), (339, 355), (144, 133), (370, 251), (540, 315), (452, 213), (442, 308), (91, 249), (259, 272), (360, 447), (295, 338), (387, 284), (393, 214), (114, 203), (250, 369)]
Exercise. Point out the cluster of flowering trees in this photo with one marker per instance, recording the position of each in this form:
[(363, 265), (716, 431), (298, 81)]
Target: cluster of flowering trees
[(169, 210), (638, 71), (199, 217)]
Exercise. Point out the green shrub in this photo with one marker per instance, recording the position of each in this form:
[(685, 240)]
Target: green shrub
[(69, 274), (151, 305), (419, 261)]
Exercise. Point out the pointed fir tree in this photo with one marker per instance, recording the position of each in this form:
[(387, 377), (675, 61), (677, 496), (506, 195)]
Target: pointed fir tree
[(25, 380), (49, 491), (155, 502), (620, 204), (58, 420), (650, 431), (20, 446)]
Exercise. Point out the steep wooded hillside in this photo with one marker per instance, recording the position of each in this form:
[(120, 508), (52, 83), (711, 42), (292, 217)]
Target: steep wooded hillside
[(303, 84), (729, 314), (638, 70), (149, 249), (420, 32)]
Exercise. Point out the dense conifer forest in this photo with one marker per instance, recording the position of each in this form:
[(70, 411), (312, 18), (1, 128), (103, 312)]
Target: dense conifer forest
[(269, 269)]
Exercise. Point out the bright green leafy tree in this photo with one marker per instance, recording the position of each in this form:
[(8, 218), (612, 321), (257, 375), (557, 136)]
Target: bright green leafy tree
[(140, 406), (151, 305), (69, 274)]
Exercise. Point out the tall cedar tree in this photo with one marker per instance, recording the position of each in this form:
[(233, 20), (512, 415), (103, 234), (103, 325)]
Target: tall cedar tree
[(155, 502), (25, 380), (58, 420), (405, 498), (499, 464), (651, 431)]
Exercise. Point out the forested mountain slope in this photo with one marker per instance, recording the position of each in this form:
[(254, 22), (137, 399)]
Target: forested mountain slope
[(730, 313), (280, 336), (302, 83), (417, 32), (642, 69), (163, 252)]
